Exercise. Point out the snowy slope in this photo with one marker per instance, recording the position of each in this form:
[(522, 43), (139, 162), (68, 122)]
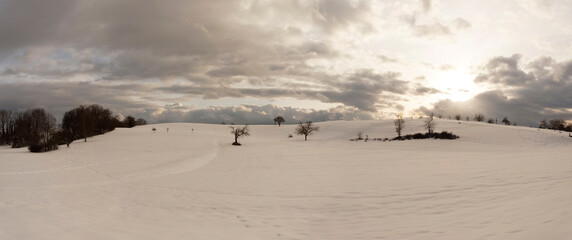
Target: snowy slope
[(495, 182)]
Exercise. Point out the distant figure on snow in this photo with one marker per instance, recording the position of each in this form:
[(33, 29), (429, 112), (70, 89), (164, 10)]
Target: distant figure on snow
[(154, 130)]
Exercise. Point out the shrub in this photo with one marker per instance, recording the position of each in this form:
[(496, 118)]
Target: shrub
[(39, 148), (441, 135)]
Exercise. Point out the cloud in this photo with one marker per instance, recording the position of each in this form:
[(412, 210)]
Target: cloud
[(342, 13), (361, 89), (60, 97), (426, 24), (461, 23), (386, 59), (256, 114), (527, 92), (423, 90), (504, 71), (444, 67), (426, 5)]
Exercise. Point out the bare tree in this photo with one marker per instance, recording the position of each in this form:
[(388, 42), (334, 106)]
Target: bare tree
[(430, 123), (140, 122), (399, 125), (360, 135), (557, 124), (279, 120), (543, 124), (306, 129), (506, 121), (130, 121), (88, 120), (239, 132), (491, 121), (458, 117), (5, 119), (479, 117)]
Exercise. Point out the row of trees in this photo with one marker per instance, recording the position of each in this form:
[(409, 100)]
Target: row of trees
[(555, 124), (37, 129)]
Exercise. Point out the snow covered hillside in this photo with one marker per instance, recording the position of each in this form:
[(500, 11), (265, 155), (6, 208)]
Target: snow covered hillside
[(495, 182)]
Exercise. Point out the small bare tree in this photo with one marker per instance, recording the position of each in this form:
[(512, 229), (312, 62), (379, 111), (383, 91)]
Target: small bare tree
[(279, 120), (399, 125), (430, 123), (458, 117), (306, 129), (239, 132), (479, 117), (506, 121), (360, 135)]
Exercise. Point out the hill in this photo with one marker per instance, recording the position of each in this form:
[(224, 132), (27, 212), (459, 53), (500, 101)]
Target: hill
[(494, 182)]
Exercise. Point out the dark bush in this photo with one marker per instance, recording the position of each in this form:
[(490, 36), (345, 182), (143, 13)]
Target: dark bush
[(39, 148), (441, 135)]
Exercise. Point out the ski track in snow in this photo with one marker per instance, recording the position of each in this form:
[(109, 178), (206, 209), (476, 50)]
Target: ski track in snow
[(495, 182)]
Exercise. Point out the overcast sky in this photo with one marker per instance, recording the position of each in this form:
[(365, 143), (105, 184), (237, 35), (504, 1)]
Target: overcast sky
[(248, 61)]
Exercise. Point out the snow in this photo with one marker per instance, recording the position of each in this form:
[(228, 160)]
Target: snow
[(495, 182)]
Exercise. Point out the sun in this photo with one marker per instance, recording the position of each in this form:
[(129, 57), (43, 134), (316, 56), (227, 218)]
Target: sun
[(457, 85)]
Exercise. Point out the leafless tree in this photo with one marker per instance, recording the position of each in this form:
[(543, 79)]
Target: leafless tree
[(430, 123), (479, 117), (140, 122), (239, 132), (506, 121), (279, 120), (399, 125), (306, 129), (360, 135), (458, 117), (5, 120)]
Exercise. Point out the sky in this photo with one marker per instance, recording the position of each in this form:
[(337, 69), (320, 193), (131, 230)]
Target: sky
[(248, 61)]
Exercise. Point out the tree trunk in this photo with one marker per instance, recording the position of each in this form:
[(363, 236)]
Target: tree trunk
[(235, 138), (305, 137)]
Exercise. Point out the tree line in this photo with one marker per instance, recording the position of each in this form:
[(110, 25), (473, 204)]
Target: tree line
[(37, 129), (555, 124)]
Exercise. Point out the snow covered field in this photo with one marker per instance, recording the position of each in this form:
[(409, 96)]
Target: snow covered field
[(495, 182)]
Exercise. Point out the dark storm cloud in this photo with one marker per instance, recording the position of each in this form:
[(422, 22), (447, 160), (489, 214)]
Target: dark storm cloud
[(504, 71), (61, 97), (24, 23), (361, 89), (527, 92)]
